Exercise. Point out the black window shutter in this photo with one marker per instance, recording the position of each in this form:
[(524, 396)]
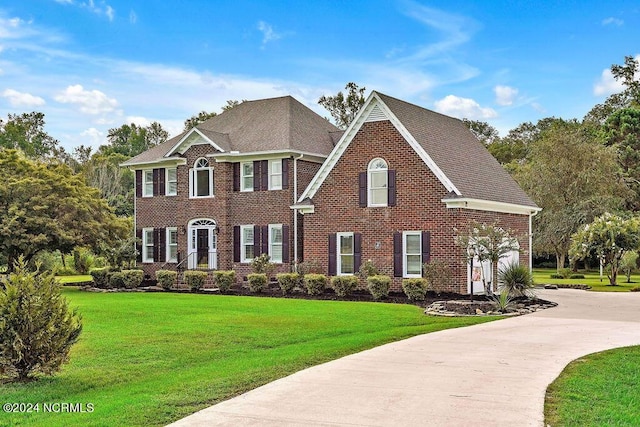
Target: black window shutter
[(264, 174), (332, 254), (156, 244), (362, 189), (156, 172), (391, 188), (162, 245), (139, 242), (138, 183), (357, 251), (285, 243), (162, 173), (397, 254), (426, 247), (265, 239), (236, 176), (256, 175), (236, 243), (256, 240), (285, 174)]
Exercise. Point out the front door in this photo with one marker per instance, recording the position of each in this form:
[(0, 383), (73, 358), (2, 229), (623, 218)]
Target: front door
[(202, 248), (202, 245)]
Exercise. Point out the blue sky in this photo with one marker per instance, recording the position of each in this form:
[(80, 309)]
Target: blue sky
[(92, 65)]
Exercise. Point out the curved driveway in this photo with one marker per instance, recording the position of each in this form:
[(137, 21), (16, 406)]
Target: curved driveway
[(494, 374)]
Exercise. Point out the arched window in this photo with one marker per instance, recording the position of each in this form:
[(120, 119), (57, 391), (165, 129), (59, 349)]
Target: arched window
[(201, 179), (378, 182)]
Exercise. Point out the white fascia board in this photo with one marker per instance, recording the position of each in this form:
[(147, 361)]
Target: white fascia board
[(206, 140), (263, 155), (489, 205), (303, 208), (155, 163)]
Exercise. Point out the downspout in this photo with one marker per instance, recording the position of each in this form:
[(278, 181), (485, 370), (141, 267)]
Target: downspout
[(295, 212), (531, 241)]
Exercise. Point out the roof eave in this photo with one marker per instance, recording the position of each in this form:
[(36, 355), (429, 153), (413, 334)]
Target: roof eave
[(489, 205)]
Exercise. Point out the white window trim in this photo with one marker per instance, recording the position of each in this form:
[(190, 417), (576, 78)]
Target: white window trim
[(145, 243), (272, 174), (192, 181), (370, 188), (243, 252), (168, 240), (145, 182), (167, 182), (243, 176), (405, 254), (338, 253), (271, 244)]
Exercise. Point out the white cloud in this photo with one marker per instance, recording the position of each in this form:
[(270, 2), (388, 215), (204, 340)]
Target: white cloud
[(22, 99), (133, 17), (96, 137), (463, 108), (613, 21), (505, 95), (607, 84), (91, 102), (268, 34), (99, 9)]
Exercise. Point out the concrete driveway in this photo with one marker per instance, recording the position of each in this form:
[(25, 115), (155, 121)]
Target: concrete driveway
[(494, 374)]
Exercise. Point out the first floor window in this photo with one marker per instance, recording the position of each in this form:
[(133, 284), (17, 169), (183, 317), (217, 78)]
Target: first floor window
[(172, 182), (412, 253), (147, 183), (172, 244), (275, 174), (147, 245), (275, 243), (345, 254), (246, 240)]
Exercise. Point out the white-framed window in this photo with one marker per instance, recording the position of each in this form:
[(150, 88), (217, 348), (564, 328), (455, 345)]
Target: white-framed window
[(345, 254), (377, 178), (171, 182), (246, 243), (275, 174), (412, 254), (172, 244), (246, 176), (147, 245), (275, 243), (201, 179), (147, 183)]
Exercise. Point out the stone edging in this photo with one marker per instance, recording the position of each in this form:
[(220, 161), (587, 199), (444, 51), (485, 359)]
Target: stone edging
[(438, 309)]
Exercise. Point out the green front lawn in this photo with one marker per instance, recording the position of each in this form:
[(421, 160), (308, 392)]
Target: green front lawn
[(541, 276), (149, 359), (597, 390), (76, 278)]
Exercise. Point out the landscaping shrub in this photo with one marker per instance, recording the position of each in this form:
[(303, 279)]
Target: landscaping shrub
[(556, 276), (315, 283), (257, 282), (82, 261), (195, 279), (224, 279), (132, 278), (262, 264), (101, 278), (287, 281), (502, 302), (308, 267), (344, 285), (37, 328), (576, 276), (415, 289), (379, 286), (516, 280), (438, 275), (166, 278), (117, 280), (635, 289), (368, 268)]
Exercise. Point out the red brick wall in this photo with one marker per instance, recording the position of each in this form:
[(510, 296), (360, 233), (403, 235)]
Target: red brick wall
[(418, 208)]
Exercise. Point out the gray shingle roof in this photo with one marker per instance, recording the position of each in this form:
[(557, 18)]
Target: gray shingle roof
[(459, 154)]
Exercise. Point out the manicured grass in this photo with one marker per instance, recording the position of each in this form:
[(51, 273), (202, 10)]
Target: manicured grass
[(541, 276), (149, 359), (76, 278), (597, 390)]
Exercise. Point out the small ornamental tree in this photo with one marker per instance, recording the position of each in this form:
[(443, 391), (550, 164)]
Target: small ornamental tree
[(608, 237), (37, 328)]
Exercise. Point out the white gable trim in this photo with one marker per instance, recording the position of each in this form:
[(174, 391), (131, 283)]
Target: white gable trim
[(489, 205), (373, 110), (187, 141)]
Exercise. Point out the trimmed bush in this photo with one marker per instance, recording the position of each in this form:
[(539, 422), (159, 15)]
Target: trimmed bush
[(224, 279), (166, 278), (576, 276), (287, 281), (516, 280), (116, 280), (379, 286), (415, 289), (556, 276), (101, 278), (344, 285), (132, 278), (635, 289), (315, 283), (257, 282), (195, 279)]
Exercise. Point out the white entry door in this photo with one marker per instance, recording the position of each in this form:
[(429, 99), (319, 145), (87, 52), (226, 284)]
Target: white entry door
[(203, 252)]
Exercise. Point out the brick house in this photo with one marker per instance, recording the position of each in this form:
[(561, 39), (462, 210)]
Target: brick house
[(271, 176)]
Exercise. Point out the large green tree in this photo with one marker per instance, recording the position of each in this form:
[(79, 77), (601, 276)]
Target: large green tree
[(343, 108), (195, 120), (485, 133), (115, 183), (574, 178), (131, 140), (45, 206), (26, 132)]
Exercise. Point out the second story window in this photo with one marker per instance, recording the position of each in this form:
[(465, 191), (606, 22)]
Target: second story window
[(147, 183), (378, 184), (275, 174), (246, 176), (201, 179), (172, 182)]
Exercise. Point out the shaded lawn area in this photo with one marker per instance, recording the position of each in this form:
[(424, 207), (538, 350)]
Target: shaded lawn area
[(600, 389), (541, 276), (152, 358)]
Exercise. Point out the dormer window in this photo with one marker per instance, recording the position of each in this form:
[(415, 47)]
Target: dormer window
[(378, 182), (201, 179)]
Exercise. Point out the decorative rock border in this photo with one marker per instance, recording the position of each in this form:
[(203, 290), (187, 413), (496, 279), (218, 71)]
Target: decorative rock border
[(439, 308)]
